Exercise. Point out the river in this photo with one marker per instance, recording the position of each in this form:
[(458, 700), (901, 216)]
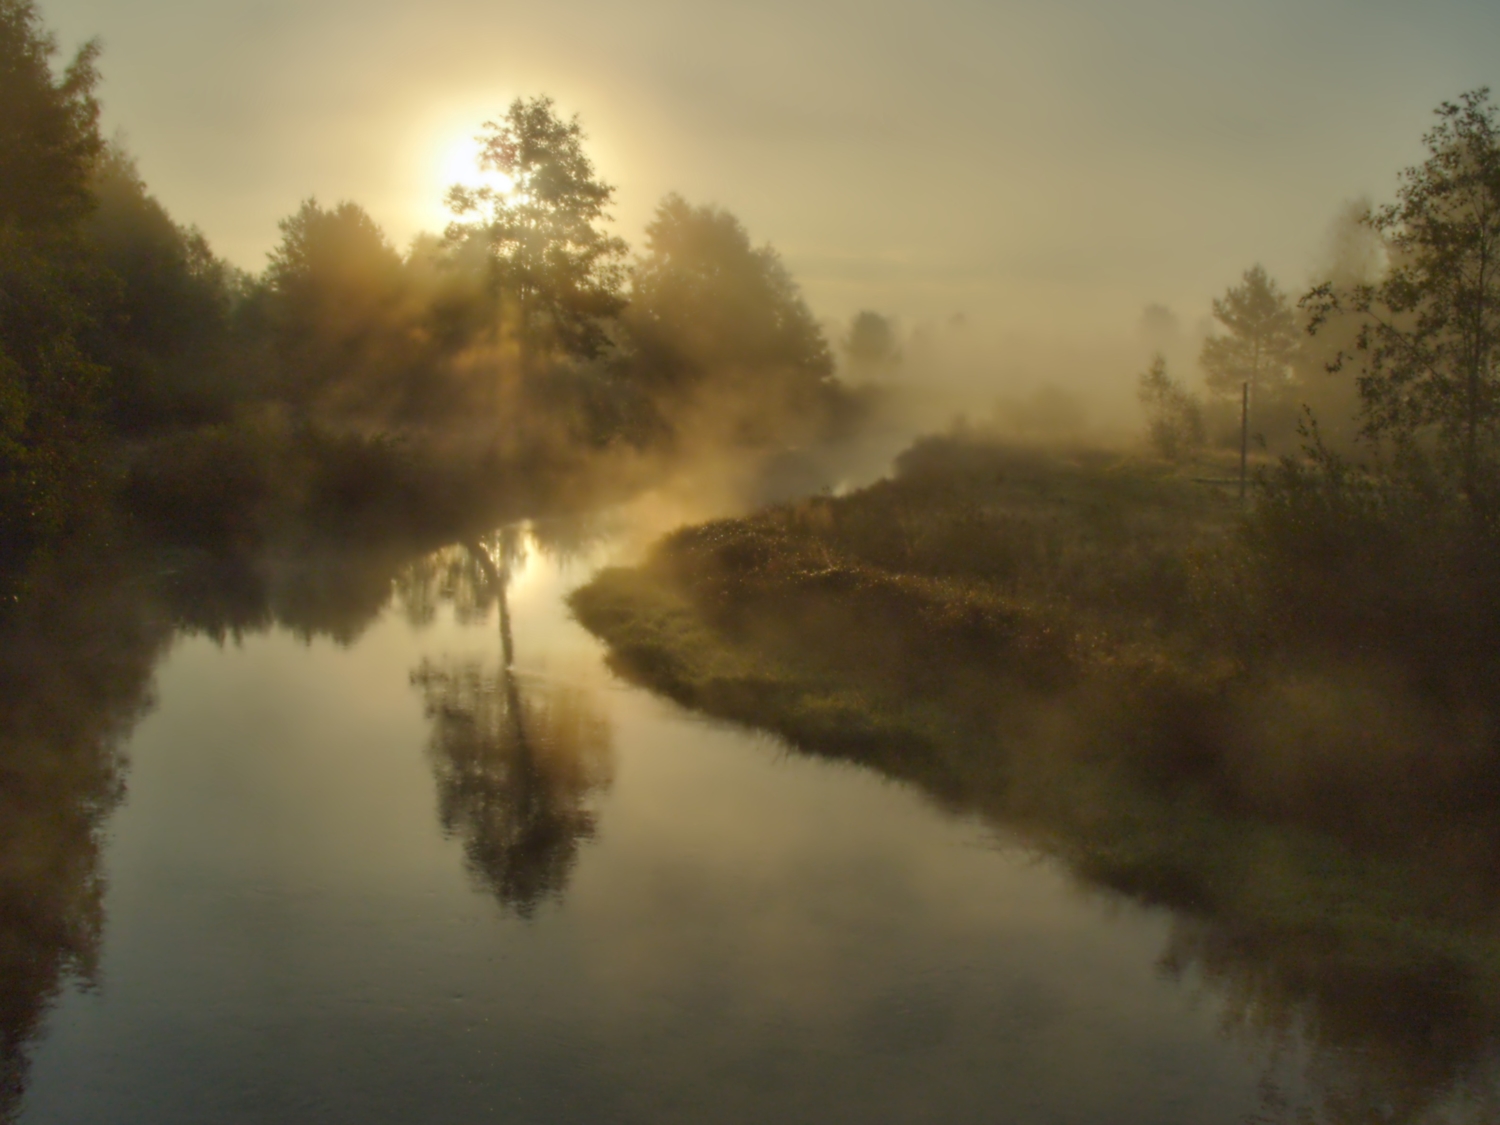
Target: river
[(431, 861)]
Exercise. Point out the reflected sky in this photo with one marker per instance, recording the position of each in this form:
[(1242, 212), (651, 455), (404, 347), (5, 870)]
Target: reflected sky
[(316, 911), (292, 934)]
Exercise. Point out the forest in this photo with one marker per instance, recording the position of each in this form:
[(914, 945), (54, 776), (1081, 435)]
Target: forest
[(350, 387)]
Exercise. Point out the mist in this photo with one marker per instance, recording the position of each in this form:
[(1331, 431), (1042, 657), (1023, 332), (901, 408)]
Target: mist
[(957, 546)]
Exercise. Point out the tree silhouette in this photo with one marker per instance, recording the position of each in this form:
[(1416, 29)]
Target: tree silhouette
[(334, 286), (555, 268), (1174, 417), (714, 318), (49, 390), (871, 342), (163, 327), (1430, 329), (517, 759), (49, 135), (1261, 339)]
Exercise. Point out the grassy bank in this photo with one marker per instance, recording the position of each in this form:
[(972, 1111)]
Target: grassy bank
[(1065, 645)]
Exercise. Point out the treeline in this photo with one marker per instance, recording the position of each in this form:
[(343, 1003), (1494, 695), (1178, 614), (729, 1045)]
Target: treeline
[(1389, 360), (352, 382), (1261, 356), (1379, 538)]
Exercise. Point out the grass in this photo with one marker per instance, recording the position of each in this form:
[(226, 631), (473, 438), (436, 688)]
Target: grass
[(1050, 641)]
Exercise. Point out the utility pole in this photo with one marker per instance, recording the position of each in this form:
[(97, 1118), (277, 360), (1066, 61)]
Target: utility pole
[(1244, 435)]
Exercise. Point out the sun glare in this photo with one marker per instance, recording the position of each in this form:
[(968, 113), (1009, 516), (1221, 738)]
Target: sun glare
[(460, 165)]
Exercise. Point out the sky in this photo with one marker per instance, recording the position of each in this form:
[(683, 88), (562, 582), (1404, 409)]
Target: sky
[(1046, 169)]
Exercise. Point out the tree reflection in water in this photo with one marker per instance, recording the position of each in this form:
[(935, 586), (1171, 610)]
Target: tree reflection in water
[(517, 764), (1350, 1029), (76, 657), (517, 759), (1414, 1044)]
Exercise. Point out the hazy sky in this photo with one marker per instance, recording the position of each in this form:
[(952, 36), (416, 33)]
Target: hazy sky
[(1047, 167)]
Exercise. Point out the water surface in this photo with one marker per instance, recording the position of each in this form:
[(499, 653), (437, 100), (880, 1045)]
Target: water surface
[(431, 861)]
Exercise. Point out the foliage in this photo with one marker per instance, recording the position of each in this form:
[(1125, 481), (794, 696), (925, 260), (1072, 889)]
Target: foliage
[(554, 265), (1430, 328), (49, 388), (49, 135), (1174, 418), (164, 307), (716, 318), (334, 294), (1261, 340)]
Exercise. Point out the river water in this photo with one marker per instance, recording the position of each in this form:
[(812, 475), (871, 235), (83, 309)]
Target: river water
[(371, 870)]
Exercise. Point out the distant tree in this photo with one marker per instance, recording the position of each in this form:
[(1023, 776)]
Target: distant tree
[(1261, 339), (871, 341), (554, 264), (708, 306), (1430, 328), (1174, 417)]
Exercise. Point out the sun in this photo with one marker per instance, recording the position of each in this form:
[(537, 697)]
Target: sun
[(460, 165)]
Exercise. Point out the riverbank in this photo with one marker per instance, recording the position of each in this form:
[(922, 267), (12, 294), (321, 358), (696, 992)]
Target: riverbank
[(1055, 642)]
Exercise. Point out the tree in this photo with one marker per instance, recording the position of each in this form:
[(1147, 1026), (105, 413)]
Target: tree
[(334, 285), (1174, 418), (163, 319), (707, 305), (1261, 341), (554, 264), (871, 341), (49, 389), (1429, 329), (49, 132)]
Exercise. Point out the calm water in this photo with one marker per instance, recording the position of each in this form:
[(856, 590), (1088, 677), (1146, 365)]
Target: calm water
[(363, 872)]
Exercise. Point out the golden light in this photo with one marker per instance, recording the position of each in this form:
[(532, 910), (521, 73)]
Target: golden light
[(444, 152), (460, 165)]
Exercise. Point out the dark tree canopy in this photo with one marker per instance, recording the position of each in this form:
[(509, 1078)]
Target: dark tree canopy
[(163, 318), (49, 389), (333, 285), (331, 256), (49, 130)]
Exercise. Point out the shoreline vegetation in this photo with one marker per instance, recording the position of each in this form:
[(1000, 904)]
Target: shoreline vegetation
[(1057, 643)]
